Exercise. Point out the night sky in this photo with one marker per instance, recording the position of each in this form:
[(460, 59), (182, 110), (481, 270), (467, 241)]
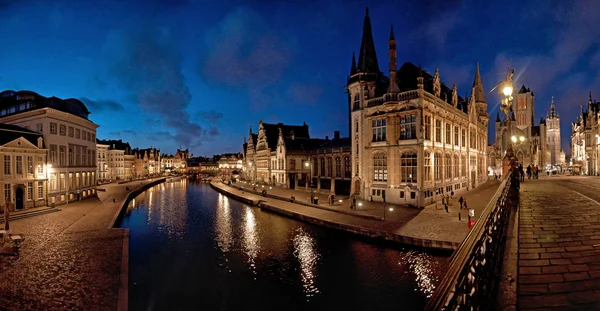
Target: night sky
[(198, 73)]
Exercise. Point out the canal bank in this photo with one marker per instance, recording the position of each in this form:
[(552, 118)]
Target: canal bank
[(71, 259), (428, 228)]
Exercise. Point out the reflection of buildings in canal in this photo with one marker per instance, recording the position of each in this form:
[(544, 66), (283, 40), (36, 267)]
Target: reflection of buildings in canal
[(168, 206), (306, 251), (223, 224), (420, 264), (251, 243)]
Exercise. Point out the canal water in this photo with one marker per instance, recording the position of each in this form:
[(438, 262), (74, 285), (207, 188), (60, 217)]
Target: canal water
[(192, 248)]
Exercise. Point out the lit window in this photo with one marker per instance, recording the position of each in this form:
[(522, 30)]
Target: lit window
[(379, 130), (380, 167), (409, 167), (408, 128)]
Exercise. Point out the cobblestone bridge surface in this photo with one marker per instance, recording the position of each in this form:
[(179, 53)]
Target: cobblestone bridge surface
[(69, 260), (559, 244)]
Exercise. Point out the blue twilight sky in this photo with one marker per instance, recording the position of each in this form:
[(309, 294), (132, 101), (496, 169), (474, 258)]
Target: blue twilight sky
[(198, 73)]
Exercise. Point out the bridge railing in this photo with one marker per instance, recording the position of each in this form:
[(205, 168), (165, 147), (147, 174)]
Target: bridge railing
[(473, 275)]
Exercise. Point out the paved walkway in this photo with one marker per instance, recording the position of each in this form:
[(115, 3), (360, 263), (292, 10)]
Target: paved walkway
[(559, 245), (428, 224), (69, 260)]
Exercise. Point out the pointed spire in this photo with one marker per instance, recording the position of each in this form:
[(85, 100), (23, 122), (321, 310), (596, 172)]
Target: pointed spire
[(498, 117), (392, 38), (478, 91), (353, 68), (250, 133), (552, 110), (367, 58)]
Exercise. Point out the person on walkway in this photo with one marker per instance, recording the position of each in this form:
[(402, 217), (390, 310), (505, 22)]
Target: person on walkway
[(446, 207), (353, 205), (329, 199), (529, 171), (452, 194), (461, 201), (292, 199), (447, 199), (465, 204)]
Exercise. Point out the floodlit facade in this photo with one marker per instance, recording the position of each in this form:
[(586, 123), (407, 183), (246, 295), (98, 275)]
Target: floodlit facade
[(412, 137), (585, 140), (23, 172), (68, 134)]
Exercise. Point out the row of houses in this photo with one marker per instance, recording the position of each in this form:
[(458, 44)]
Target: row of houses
[(50, 153)]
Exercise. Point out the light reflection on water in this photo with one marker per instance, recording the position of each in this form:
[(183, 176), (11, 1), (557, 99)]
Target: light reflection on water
[(223, 224), (305, 251), (420, 264), (250, 243), (194, 249)]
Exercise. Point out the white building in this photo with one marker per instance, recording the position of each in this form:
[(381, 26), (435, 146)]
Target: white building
[(102, 164), (112, 153), (23, 174), (68, 134)]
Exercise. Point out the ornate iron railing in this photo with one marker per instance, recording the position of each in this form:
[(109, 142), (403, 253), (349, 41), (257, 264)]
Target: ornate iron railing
[(474, 272)]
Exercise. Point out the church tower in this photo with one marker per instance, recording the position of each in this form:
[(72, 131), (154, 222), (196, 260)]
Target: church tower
[(523, 105), (362, 84), (553, 134)]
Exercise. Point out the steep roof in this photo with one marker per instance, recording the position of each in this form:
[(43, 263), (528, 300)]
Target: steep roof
[(535, 130), (523, 89), (478, 91), (115, 144), (10, 132), (12, 102), (272, 132), (407, 80), (302, 143), (367, 58)]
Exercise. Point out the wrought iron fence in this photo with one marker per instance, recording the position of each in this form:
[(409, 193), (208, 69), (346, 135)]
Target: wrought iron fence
[(474, 272)]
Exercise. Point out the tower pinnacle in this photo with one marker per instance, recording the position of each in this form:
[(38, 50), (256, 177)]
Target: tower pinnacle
[(552, 109), (353, 68), (367, 58), (478, 92), (393, 87)]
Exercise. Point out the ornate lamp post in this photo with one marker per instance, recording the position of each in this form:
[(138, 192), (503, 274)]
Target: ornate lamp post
[(509, 159)]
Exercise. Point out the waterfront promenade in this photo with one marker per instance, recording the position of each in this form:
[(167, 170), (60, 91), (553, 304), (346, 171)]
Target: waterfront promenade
[(70, 260), (429, 227)]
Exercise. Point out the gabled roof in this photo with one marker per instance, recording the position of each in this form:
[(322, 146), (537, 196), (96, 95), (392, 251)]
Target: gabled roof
[(9, 132), (523, 89), (272, 132), (115, 144), (302, 143), (407, 80)]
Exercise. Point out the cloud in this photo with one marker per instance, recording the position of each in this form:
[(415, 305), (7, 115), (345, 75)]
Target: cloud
[(211, 116), (102, 105), (149, 65), (120, 134), (243, 51)]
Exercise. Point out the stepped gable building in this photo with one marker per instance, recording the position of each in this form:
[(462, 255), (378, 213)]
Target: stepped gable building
[(68, 134), (413, 138), (147, 162), (286, 156), (175, 163), (23, 174), (585, 140), (541, 145)]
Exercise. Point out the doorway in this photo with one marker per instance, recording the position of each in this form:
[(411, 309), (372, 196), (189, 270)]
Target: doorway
[(357, 187), (19, 198)]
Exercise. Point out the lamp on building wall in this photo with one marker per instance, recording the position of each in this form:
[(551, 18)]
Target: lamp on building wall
[(506, 88)]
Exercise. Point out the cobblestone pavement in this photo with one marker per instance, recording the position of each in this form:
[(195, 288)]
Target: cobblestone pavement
[(430, 223), (69, 260), (559, 244)]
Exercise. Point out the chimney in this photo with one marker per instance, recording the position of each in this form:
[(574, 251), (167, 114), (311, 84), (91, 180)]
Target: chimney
[(292, 134), (336, 135), (40, 142)]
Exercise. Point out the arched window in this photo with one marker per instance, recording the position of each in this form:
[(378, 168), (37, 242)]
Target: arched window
[(437, 166), (427, 165), (380, 167), (455, 165), (447, 166), (463, 165), (408, 166)]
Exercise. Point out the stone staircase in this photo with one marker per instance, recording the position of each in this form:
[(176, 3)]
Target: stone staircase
[(29, 213)]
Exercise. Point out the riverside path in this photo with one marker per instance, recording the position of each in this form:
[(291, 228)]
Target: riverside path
[(559, 244), (69, 259), (432, 223)]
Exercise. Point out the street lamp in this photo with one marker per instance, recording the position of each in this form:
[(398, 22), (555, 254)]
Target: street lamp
[(506, 88)]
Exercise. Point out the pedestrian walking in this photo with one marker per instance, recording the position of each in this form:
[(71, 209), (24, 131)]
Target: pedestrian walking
[(447, 199), (465, 204), (461, 201), (452, 194)]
